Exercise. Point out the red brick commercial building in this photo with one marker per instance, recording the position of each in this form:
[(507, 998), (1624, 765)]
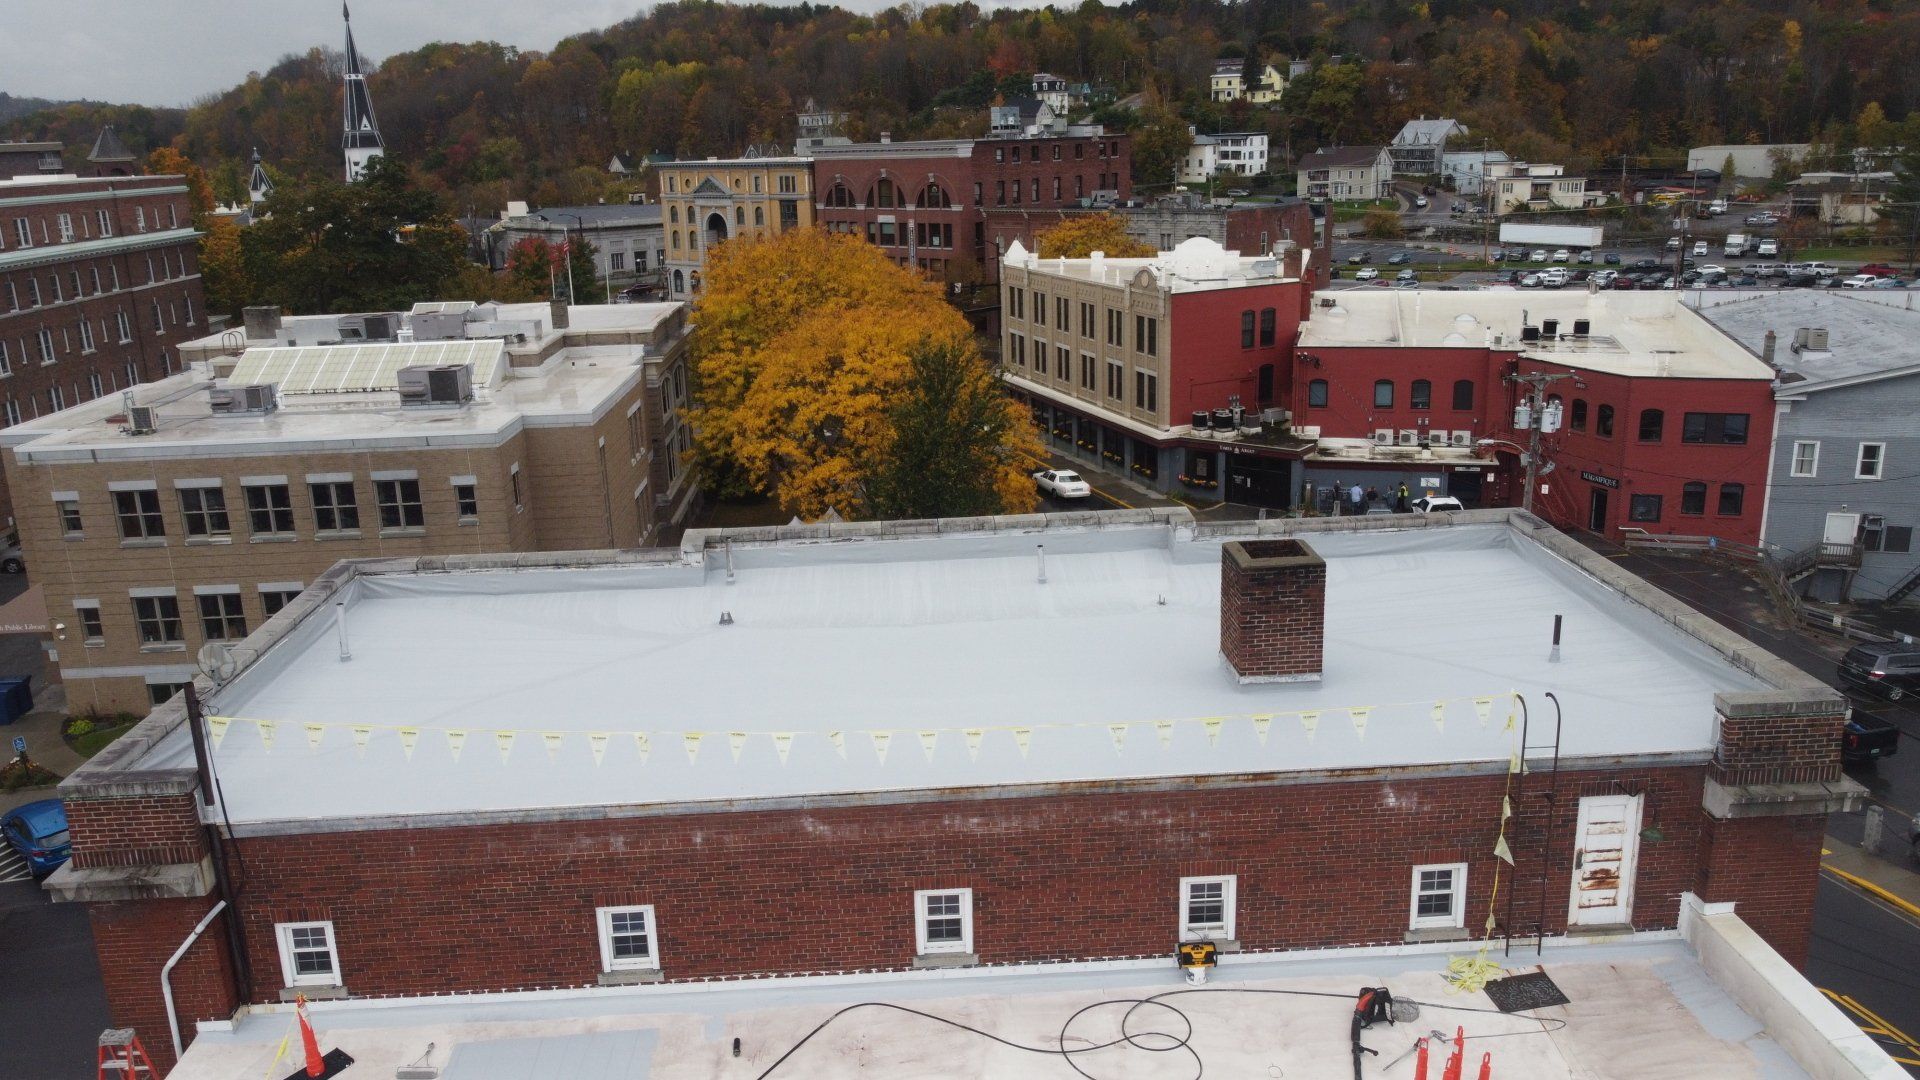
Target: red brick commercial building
[(1665, 421), (951, 204), (434, 781), (99, 285), (1137, 365)]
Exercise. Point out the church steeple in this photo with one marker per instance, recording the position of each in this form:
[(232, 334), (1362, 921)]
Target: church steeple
[(360, 137), (258, 186)]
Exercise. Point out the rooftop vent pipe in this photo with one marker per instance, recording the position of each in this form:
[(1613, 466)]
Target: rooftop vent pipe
[(340, 625)]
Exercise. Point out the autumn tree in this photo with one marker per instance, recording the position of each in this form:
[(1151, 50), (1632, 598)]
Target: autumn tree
[(804, 357), (1382, 225), (531, 263), (1081, 235), (167, 161), (1160, 142), (223, 270), (959, 449)]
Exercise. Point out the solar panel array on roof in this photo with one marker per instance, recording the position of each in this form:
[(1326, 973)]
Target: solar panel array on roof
[(442, 307), (337, 369)]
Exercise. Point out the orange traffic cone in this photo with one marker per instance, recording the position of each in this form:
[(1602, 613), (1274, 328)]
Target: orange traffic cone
[(1457, 1061), (1420, 1061), (316, 1064), (1486, 1067)]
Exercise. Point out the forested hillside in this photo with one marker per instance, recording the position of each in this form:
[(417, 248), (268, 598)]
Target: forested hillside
[(1583, 81)]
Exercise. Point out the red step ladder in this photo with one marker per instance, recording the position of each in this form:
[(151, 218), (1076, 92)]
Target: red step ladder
[(121, 1057)]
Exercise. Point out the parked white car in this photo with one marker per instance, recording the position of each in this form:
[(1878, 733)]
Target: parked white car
[(1365, 273), (1699, 248), (1562, 255), (1554, 277), (1860, 281), (1540, 255), (1062, 484), (1428, 504)]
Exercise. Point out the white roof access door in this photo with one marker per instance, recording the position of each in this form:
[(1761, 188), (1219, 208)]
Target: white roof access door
[(1841, 529), (1605, 858)]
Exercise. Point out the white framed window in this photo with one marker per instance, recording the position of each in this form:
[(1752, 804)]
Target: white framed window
[(1806, 458), (943, 921), (1439, 897), (627, 938), (307, 954), (1206, 908), (1872, 462)]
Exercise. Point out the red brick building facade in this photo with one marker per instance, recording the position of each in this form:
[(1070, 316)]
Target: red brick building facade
[(930, 203), (1664, 422), (99, 284)]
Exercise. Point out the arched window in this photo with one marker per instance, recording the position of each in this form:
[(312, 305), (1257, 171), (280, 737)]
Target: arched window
[(673, 215), (1421, 394), (1463, 395), (839, 196), (676, 239), (1267, 317), (935, 197), (1603, 421), (881, 194), (739, 215), (759, 216), (1578, 421), (1733, 498), (1317, 394), (1383, 394), (679, 281), (1693, 497), (1651, 423)]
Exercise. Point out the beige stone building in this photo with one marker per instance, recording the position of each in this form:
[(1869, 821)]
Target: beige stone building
[(707, 202), (190, 510)]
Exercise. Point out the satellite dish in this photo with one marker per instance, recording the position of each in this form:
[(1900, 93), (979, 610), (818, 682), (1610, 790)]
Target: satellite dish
[(217, 662)]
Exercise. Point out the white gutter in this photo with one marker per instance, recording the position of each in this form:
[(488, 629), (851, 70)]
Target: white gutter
[(166, 976)]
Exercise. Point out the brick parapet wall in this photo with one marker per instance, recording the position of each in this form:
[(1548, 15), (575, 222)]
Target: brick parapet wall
[(1779, 747), (1769, 868), (138, 830)]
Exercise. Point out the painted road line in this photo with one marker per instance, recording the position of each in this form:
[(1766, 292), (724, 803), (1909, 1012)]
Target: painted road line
[(1864, 885), (1879, 1029)]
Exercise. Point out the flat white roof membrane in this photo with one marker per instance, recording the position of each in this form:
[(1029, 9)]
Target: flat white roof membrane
[(872, 666)]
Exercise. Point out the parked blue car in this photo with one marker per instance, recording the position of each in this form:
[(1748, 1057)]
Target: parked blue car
[(38, 831)]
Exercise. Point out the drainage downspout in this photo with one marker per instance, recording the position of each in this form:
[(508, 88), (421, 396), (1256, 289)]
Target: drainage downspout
[(166, 976)]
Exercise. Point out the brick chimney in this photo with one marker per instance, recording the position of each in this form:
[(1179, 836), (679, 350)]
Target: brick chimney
[(1273, 606)]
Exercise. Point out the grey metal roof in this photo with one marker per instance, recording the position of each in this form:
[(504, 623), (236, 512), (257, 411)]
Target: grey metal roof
[(1341, 157), (609, 216), (1864, 336)]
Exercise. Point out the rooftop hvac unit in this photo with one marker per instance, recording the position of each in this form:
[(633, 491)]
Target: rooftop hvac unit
[(1383, 437), (446, 384), (1328, 301), (1529, 333), (1550, 328), (140, 420), (1817, 339), (257, 398), (1274, 416), (1409, 437), (1436, 437), (1582, 327), (1308, 432), (1461, 438)]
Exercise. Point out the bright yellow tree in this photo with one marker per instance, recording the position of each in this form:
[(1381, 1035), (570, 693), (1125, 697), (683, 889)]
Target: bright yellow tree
[(1081, 235), (806, 341)]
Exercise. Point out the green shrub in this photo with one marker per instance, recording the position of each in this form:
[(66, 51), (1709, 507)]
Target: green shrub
[(79, 726)]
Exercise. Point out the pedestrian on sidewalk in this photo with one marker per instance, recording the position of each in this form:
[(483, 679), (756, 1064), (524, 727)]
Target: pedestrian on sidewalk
[(1400, 500), (1357, 499)]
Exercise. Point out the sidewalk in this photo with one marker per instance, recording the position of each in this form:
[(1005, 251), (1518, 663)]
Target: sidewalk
[(45, 746), (1884, 879)]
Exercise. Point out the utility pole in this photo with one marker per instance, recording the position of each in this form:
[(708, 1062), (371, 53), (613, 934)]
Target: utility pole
[(1538, 423)]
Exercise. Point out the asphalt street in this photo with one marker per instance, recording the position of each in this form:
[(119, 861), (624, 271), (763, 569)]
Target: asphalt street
[(52, 1008), (1863, 957)]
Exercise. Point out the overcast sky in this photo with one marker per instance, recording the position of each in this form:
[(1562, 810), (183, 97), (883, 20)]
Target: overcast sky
[(168, 52)]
